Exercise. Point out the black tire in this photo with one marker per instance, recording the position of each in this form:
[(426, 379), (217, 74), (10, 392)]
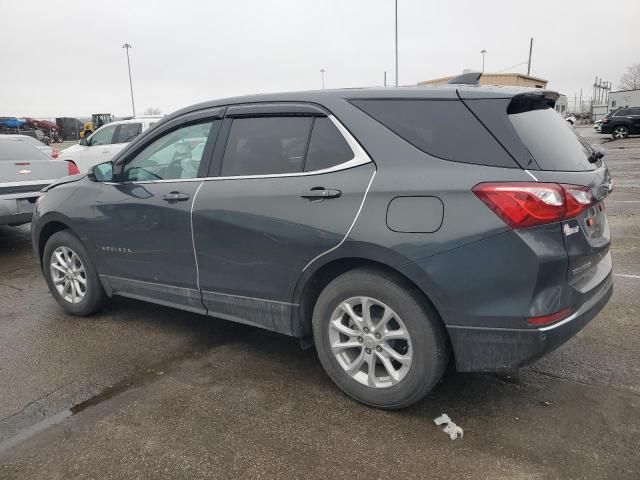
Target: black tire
[(430, 352), (619, 131), (95, 297)]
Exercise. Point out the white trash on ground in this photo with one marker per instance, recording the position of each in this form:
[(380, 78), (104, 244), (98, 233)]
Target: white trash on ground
[(451, 428)]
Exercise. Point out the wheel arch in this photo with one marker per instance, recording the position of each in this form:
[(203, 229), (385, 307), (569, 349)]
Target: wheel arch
[(312, 283), (47, 231)]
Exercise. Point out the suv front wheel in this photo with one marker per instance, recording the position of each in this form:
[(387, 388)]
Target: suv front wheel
[(378, 340), (70, 275)]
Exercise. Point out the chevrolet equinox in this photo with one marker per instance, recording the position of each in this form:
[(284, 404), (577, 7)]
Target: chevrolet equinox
[(396, 229)]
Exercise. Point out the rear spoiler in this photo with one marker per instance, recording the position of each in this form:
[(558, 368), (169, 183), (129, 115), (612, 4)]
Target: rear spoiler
[(523, 102)]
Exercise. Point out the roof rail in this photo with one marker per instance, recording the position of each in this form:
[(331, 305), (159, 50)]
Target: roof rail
[(471, 78)]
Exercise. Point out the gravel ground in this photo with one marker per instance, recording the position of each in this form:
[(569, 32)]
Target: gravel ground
[(142, 391)]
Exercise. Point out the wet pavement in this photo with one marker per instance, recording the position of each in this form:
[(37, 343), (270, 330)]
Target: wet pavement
[(142, 391)]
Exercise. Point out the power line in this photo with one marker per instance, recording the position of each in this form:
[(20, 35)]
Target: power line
[(513, 66)]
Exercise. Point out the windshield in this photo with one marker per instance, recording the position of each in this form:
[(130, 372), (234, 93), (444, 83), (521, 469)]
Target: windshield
[(551, 141)]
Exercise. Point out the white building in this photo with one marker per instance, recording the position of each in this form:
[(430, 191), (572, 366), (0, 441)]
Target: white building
[(624, 98)]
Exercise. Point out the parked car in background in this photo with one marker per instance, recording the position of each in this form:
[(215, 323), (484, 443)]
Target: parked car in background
[(622, 123), (106, 142), (597, 125), (46, 149), (24, 171), (395, 228)]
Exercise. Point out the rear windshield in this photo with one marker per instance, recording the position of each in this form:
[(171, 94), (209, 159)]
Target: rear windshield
[(551, 141), (443, 128), (19, 150)]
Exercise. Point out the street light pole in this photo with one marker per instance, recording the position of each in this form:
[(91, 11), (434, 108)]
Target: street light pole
[(396, 43), (483, 51), (322, 70), (127, 46)]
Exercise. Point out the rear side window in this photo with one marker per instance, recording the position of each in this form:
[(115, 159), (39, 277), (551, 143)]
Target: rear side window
[(443, 128), (266, 145), (127, 132), (327, 147), (551, 141)]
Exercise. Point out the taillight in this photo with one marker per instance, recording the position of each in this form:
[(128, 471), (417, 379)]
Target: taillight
[(527, 204), (578, 200), (54, 153), (73, 168)]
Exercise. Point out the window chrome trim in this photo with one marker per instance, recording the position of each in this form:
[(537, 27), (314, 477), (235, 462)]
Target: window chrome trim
[(360, 157)]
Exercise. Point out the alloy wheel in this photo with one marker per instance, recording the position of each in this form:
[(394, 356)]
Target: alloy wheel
[(620, 132), (68, 274), (370, 342)]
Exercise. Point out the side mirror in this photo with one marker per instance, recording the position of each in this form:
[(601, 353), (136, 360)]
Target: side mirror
[(84, 142), (103, 172)]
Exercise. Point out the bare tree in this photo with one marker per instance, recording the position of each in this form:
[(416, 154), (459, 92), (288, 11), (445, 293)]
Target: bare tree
[(631, 79), (152, 111)]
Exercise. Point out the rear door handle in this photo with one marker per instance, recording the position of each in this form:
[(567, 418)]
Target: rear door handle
[(176, 197), (319, 192)]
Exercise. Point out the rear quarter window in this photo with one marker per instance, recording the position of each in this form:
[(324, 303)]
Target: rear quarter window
[(442, 128)]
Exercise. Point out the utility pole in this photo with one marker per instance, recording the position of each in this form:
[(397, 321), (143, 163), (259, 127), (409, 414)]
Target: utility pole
[(127, 46), (322, 70), (396, 43), (385, 78), (529, 63), (483, 51)]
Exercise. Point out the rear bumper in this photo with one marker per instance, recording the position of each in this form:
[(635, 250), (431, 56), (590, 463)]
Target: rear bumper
[(480, 349), (17, 209)]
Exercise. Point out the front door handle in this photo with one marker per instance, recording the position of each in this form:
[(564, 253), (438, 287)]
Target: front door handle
[(317, 193), (176, 197)]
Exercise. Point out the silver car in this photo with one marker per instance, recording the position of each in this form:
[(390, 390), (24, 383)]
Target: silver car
[(46, 149), (24, 171)]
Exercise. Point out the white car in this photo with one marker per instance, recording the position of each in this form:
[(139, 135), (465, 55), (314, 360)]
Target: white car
[(46, 149), (106, 141)]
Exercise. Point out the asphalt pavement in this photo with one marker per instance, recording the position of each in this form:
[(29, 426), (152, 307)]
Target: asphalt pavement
[(143, 391)]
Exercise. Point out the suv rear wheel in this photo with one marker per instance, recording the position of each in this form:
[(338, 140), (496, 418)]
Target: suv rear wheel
[(620, 131), (378, 340), (70, 275)]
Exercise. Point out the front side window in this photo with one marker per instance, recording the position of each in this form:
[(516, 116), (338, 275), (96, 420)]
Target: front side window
[(104, 136), (266, 145), (176, 155), (127, 132)]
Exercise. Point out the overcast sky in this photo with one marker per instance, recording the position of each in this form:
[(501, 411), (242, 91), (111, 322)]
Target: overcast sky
[(65, 58)]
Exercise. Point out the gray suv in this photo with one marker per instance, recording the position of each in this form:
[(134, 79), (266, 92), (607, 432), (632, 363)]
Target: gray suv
[(399, 230)]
